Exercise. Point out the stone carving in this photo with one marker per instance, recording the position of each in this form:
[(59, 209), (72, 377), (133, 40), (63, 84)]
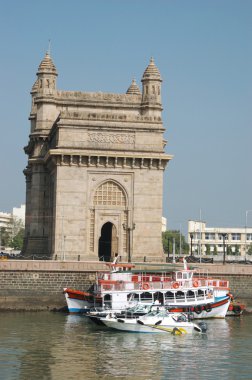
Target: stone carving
[(99, 96), (108, 116), (112, 138)]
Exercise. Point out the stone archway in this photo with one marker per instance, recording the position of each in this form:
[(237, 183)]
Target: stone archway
[(108, 242)]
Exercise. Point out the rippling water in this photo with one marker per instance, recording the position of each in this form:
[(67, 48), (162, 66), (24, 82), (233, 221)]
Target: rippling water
[(48, 345)]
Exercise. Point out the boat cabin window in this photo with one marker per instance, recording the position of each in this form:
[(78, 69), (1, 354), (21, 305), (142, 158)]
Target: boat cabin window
[(190, 294), (180, 295), (169, 296), (146, 297), (107, 300), (158, 296), (200, 293), (179, 276), (133, 297)]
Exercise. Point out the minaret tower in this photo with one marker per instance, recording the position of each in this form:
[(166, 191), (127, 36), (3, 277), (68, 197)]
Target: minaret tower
[(46, 91), (47, 75), (151, 89), (43, 114)]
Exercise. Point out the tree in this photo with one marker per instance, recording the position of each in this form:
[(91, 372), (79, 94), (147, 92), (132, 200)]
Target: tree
[(208, 250), (167, 238), (17, 240), (249, 250), (229, 250), (4, 237), (215, 252), (237, 251)]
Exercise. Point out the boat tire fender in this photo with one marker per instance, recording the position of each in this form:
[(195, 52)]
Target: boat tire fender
[(195, 284), (146, 286), (175, 285), (198, 309), (208, 307)]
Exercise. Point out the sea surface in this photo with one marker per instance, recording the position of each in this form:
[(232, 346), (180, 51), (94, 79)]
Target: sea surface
[(49, 345)]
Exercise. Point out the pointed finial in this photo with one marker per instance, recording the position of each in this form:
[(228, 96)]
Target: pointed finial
[(152, 60), (49, 48)]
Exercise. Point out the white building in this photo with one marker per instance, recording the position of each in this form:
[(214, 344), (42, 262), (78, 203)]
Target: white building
[(164, 224), (19, 213), (203, 239), (6, 220)]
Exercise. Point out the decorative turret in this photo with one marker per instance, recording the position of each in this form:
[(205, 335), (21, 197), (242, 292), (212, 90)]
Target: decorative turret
[(151, 82), (133, 89), (47, 74), (34, 92)]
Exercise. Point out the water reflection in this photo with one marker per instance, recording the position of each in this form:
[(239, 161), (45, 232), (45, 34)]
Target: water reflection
[(58, 346)]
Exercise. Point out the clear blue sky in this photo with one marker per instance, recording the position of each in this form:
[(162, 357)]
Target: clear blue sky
[(204, 52)]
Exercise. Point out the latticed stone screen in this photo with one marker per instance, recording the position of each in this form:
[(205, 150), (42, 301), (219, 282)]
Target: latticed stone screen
[(109, 194)]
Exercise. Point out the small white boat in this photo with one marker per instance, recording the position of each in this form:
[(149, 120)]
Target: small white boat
[(157, 321)]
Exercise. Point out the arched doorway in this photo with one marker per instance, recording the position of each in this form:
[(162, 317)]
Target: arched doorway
[(108, 242)]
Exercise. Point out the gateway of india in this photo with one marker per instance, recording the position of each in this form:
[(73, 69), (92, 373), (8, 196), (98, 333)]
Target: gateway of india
[(94, 178)]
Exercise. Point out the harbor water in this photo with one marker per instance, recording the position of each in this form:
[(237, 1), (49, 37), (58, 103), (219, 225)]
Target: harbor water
[(48, 345)]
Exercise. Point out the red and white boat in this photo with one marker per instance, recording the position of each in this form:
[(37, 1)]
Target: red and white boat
[(181, 290)]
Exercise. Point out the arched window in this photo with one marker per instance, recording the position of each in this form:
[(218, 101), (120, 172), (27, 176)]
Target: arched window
[(109, 194)]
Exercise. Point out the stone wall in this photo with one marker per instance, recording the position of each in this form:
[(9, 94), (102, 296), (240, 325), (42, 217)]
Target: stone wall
[(21, 290), (38, 285)]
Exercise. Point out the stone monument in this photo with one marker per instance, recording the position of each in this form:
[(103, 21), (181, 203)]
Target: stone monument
[(94, 179)]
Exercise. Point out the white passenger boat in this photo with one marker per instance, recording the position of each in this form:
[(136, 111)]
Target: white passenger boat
[(181, 290), (157, 321)]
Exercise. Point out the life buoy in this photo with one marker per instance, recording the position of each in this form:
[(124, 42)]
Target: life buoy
[(198, 309), (146, 286), (175, 285), (195, 284)]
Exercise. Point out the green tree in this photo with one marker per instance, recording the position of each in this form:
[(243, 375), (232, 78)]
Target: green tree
[(4, 237), (17, 240), (17, 234), (249, 250), (215, 252), (237, 250), (167, 238), (208, 250), (229, 250)]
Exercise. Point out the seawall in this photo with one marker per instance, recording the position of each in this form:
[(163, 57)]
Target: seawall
[(38, 285)]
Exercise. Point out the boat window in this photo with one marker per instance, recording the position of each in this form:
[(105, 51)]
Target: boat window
[(190, 294), (107, 300), (169, 296), (158, 296), (179, 275), (200, 293), (180, 295), (185, 276), (146, 296), (162, 313), (133, 297)]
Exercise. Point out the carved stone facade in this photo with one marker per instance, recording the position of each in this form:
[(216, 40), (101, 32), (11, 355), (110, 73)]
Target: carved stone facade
[(94, 179)]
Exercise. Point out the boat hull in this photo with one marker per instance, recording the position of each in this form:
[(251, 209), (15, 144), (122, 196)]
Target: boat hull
[(133, 326), (216, 309), (77, 301)]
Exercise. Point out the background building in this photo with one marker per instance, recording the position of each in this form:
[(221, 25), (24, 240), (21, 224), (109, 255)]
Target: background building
[(209, 240), (10, 222), (164, 224), (94, 179)]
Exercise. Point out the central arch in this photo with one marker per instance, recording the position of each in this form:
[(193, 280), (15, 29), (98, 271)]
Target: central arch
[(108, 242)]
